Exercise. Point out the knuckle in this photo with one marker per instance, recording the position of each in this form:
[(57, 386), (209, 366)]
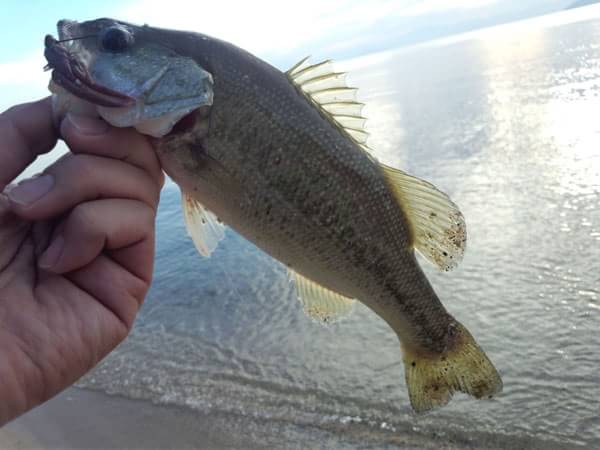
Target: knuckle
[(9, 129), (81, 165), (147, 217), (138, 289), (16, 109), (64, 160), (84, 217)]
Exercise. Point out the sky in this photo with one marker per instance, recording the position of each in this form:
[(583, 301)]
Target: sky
[(277, 31)]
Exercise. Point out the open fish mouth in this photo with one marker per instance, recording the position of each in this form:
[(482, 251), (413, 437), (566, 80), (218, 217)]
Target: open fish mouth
[(100, 68), (72, 74)]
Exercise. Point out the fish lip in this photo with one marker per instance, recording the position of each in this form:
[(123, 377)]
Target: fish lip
[(70, 73)]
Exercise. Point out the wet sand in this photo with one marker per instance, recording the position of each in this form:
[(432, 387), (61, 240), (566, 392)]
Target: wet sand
[(81, 419)]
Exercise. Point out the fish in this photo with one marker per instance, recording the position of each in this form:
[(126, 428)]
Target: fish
[(282, 158)]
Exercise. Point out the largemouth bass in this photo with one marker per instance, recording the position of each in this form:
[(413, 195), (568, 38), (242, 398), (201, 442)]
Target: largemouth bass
[(281, 157)]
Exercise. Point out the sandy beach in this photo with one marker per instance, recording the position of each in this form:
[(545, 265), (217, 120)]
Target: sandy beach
[(81, 419)]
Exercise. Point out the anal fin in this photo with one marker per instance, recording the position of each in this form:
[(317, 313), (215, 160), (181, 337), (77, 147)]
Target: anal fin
[(320, 303), (202, 225)]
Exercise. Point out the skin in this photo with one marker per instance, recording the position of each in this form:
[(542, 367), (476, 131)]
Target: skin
[(58, 314)]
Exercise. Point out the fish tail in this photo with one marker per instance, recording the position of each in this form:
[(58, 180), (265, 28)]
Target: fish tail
[(433, 378)]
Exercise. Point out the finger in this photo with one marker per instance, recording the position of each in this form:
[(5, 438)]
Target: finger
[(94, 227), (12, 233), (118, 290), (95, 137), (74, 179), (27, 131), (4, 206)]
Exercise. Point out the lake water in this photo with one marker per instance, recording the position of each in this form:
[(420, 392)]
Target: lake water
[(508, 123)]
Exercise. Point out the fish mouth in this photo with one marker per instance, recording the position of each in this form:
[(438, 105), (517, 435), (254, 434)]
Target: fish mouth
[(72, 74)]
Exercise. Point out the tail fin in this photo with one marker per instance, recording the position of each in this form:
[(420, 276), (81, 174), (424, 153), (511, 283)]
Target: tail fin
[(433, 378)]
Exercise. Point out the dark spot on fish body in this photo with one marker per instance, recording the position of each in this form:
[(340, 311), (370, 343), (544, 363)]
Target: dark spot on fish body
[(359, 255), (347, 233), (328, 214), (414, 364), (282, 221), (380, 267), (268, 114), (329, 220), (390, 287)]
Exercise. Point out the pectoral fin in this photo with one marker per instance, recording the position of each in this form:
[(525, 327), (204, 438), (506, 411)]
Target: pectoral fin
[(203, 226), (320, 303), (437, 225)]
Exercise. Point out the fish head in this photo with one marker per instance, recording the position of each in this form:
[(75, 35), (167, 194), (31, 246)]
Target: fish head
[(131, 76)]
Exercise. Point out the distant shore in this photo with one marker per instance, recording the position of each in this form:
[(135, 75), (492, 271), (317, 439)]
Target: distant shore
[(580, 3)]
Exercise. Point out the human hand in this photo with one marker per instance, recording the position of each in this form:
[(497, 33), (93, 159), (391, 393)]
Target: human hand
[(76, 249)]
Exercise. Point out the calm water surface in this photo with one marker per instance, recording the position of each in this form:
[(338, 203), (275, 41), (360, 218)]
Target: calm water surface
[(508, 124)]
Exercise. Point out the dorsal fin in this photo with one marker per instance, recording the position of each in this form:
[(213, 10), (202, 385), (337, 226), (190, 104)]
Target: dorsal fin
[(202, 225), (328, 92), (318, 302), (437, 224), (438, 227)]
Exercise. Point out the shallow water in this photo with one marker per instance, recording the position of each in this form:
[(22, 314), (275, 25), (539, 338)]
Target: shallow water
[(507, 124)]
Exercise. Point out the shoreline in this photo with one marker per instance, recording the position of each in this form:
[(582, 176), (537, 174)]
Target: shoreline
[(80, 419), (83, 419)]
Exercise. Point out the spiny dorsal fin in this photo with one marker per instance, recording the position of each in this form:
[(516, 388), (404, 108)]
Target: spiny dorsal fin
[(328, 92), (203, 226), (320, 303), (438, 226)]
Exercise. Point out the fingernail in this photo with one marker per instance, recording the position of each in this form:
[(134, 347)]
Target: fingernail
[(52, 254), (29, 191), (89, 126)]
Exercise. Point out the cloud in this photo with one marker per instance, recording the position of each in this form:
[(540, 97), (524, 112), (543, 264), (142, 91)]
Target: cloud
[(26, 70), (268, 28), (22, 80), (440, 6), (273, 26)]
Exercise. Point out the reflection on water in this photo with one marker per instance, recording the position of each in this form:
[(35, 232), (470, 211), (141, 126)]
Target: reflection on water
[(507, 125)]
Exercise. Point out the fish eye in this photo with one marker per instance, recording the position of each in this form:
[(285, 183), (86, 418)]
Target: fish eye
[(116, 39)]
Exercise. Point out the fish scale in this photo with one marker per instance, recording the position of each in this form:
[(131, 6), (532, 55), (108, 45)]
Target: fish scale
[(330, 164), (282, 159)]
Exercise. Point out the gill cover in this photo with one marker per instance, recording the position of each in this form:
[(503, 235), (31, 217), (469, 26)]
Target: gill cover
[(122, 58)]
